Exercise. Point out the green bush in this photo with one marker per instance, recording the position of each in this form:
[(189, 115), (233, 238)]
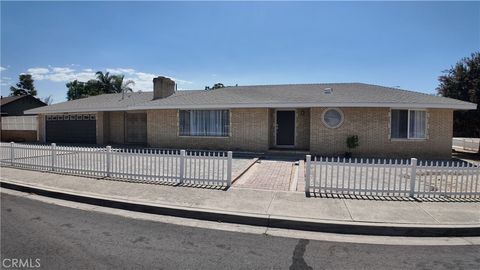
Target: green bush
[(352, 142)]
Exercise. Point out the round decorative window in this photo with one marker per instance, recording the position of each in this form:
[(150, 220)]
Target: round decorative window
[(332, 118)]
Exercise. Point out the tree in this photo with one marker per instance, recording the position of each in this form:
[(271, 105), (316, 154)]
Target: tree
[(107, 82), (218, 85), (77, 89), (215, 86), (122, 86), (462, 81), (24, 86), (104, 84)]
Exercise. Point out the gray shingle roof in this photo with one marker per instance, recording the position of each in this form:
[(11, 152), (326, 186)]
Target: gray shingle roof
[(6, 100), (106, 102), (273, 96)]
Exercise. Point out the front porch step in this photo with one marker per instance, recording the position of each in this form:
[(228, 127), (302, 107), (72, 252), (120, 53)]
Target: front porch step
[(285, 154)]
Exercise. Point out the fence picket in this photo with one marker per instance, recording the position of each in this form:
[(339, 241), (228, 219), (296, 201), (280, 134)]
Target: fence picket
[(196, 167), (372, 177)]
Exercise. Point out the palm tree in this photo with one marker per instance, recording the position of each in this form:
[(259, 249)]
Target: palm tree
[(106, 81), (122, 86)]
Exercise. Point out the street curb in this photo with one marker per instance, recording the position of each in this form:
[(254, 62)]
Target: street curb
[(265, 220)]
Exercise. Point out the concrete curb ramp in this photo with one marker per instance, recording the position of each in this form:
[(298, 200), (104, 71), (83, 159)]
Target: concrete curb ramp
[(272, 221)]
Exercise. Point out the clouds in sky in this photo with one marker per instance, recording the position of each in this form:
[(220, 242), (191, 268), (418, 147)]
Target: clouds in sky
[(60, 74), (5, 81), (143, 80)]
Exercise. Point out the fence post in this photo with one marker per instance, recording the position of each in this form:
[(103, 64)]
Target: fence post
[(182, 165), (308, 162), (109, 160), (12, 145), (229, 168), (413, 176), (54, 156)]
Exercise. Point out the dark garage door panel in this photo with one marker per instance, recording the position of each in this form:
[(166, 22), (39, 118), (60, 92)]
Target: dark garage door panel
[(137, 128), (71, 131)]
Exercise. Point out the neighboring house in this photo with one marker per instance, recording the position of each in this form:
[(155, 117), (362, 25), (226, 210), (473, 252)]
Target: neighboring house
[(315, 118), (15, 126), (16, 105)]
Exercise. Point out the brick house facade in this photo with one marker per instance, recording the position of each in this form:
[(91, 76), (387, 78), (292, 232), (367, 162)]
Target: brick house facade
[(428, 120)]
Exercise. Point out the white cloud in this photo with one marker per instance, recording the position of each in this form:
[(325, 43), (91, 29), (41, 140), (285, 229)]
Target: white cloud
[(60, 74), (37, 71), (121, 70), (63, 70), (85, 76), (4, 81), (2, 68), (179, 81), (143, 80), (58, 77)]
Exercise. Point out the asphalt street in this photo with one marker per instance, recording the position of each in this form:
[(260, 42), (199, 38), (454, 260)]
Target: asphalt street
[(68, 238)]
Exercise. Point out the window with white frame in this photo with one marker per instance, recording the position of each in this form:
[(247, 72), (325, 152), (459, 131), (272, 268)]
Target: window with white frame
[(332, 117), (215, 123), (408, 124)]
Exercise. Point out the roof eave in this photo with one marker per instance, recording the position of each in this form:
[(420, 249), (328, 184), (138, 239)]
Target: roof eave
[(463, 106), (35, 111)]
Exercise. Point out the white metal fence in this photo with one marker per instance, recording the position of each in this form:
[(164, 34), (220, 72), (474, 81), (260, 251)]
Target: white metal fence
[(19, 122), (149, 165), (387, 177)]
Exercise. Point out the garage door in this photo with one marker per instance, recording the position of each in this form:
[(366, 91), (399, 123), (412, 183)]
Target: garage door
[(79, 128)]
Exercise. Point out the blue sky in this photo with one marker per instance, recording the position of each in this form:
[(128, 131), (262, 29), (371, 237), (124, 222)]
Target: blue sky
[(402, 44)]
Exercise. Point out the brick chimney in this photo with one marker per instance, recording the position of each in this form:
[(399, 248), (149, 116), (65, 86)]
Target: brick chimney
[(163, 87)]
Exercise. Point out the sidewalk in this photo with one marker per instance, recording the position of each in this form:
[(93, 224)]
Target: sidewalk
[(274, 206)]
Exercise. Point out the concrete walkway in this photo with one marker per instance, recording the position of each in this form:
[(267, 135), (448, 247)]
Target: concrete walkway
[(269, 175), (259, 203)]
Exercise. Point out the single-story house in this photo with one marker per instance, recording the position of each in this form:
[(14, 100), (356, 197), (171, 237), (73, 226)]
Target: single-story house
[(315, 118), (15, 125), (16, 105)]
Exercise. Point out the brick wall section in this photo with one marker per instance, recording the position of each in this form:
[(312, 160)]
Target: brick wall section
[(372, 127), (302, 139), (106, 127), (115, 121), (18, 135), (100, 127), (41, 128), (271, 128), (248, 131)]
